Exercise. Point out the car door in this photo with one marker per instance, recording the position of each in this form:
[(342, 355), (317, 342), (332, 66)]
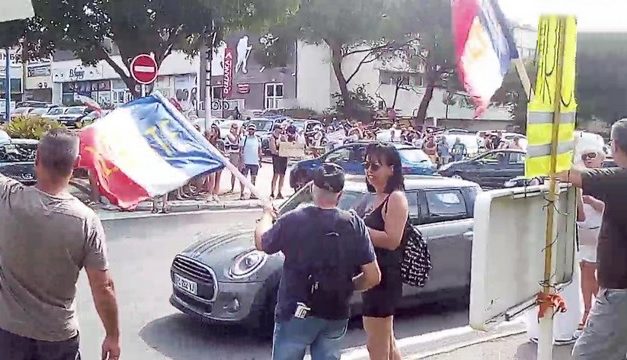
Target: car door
[(491, 168), (515, 166), (445, 221)]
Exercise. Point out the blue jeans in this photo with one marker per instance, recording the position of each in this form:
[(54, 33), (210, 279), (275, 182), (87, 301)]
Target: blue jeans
[(324, 337)]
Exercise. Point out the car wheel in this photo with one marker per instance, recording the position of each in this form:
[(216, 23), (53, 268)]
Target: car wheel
[(457, 176)]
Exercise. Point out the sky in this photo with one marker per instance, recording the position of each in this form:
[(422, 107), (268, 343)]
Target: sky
[(592, 15)]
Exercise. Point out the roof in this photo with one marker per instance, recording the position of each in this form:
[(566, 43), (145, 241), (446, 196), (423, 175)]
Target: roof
[(412, 182)]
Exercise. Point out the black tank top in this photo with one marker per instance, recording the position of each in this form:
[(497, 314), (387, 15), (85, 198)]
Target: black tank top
[(374, 220)]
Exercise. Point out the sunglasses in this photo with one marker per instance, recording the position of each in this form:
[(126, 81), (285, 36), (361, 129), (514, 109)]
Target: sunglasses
[(588, 156), (372, 166)]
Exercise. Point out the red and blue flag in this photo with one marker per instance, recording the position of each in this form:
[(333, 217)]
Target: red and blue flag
[(144, 149), (484, 48)]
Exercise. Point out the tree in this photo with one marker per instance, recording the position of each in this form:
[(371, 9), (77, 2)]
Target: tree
[(96, 30), (363, 28)]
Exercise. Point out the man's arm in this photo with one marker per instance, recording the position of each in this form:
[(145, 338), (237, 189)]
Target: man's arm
[(7, 185), (364, 255), (267, 234), (102, 289)]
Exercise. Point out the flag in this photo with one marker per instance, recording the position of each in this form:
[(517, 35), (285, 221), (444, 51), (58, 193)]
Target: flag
[(484, 47), (89, 102), (144, 149)]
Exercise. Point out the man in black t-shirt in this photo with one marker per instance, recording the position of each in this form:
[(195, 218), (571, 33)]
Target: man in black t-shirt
[(605, 336), (324, 248)]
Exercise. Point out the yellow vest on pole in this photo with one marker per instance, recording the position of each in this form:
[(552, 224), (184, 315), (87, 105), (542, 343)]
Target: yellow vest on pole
[(546, 103)]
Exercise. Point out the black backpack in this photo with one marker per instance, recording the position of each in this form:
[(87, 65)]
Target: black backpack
[(416, 259)]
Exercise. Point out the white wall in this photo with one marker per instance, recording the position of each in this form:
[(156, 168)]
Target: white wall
[(314, 75)]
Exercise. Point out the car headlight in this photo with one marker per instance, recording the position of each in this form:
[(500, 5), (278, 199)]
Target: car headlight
[(247, 263)]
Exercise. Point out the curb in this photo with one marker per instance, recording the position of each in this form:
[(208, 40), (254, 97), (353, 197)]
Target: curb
[(444, 341)]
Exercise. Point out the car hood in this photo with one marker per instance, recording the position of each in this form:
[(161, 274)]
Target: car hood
[(219, 251)]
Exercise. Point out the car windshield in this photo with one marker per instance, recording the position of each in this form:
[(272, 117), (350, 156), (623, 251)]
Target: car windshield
[(414, 155), (38, 111), (17, 152), (55, 111), (262, 125), (75, 110), (349, 200)]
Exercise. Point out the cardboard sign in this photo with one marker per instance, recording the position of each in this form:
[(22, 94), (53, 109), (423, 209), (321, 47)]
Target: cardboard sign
[(336, 136), (292, 150)]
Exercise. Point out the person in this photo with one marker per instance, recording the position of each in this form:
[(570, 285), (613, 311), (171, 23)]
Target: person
[(215, 139), (251, 157), (459, 150), (443, 151), (386, 223), (323, 246), (515, 145), (279, 163), (418, 141), (588, 231), (606, 331), (430, 148), (232, 146), (47, 237)]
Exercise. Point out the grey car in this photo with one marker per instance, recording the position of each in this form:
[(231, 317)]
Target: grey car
[(224, 279)]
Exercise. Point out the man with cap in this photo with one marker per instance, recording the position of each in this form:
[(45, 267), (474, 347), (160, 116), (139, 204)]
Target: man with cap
[(250, 156), (324, 248)]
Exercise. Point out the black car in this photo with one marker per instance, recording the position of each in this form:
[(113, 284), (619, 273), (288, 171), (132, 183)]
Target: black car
[(17, 160), (490, 170)]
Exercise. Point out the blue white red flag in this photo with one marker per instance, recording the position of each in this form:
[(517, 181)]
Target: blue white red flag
[(143, 149), (484, 48)]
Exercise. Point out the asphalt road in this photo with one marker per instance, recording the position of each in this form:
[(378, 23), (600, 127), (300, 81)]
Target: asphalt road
[(152, 329)]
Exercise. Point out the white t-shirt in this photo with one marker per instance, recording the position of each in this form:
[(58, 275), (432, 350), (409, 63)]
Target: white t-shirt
[(250, 150)]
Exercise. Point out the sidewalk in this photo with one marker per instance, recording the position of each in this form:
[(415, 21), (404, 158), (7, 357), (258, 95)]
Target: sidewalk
[(516, 347), (228, 201)]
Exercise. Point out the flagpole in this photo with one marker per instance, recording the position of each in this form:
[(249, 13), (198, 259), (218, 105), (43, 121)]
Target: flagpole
[(232, 168), (524, 77)]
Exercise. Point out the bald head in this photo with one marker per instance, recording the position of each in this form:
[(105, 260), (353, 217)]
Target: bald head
[(57, 153)]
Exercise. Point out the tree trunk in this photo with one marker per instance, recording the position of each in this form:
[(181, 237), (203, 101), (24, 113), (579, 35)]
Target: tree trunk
[(336, 61), (424, 103), (398, 88)]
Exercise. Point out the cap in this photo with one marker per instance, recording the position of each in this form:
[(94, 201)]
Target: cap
[(329, 177), (251, 127)]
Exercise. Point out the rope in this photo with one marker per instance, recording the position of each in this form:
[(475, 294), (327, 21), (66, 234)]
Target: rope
[(550, 301)]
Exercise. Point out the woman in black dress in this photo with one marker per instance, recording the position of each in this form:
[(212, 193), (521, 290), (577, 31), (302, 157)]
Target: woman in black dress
[(386, 224)]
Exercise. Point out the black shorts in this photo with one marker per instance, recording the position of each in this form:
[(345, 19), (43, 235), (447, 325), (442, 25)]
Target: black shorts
[(252, 169), (279, 165), (382, 300), (16, 347)]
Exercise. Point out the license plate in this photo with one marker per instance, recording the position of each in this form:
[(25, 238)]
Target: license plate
[(185, 285)]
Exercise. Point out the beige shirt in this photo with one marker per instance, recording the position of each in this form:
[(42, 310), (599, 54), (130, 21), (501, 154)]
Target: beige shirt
[(45, 241)]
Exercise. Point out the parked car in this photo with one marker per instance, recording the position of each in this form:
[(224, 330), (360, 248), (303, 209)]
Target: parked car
[(17, 160), (351, 158), (72, 114), (21, 111), (224, 279), (90, 118), (35, 104), (55, 113), (490, 170), (38, 112)]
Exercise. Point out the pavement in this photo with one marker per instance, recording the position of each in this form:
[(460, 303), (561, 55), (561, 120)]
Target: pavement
[(80, 189)]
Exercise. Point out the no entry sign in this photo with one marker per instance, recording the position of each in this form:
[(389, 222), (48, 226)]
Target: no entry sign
[(144, 69)]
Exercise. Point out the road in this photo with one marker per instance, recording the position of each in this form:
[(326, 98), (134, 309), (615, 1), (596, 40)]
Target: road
[(152, 329)]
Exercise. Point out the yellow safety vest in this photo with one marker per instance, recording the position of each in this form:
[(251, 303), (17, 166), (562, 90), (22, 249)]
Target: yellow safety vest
[(547, 99)]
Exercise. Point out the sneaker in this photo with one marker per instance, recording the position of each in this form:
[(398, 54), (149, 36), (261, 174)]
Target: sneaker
[(279, 196)]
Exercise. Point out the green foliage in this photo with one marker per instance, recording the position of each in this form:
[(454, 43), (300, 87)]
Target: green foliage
[(30, 127), (90, 27), (363, 105)]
